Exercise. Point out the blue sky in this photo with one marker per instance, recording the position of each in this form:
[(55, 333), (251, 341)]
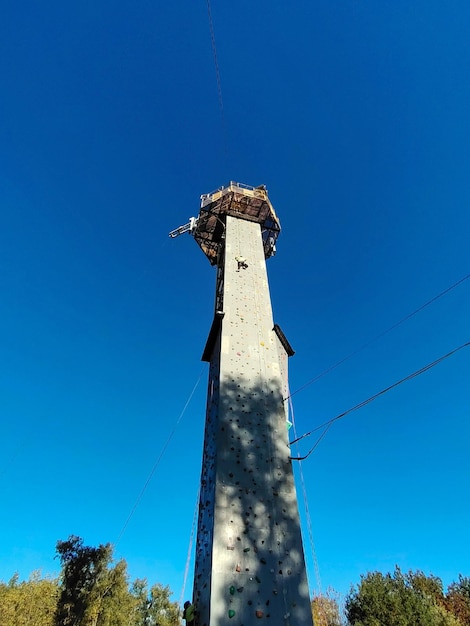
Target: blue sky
[(356, 117)]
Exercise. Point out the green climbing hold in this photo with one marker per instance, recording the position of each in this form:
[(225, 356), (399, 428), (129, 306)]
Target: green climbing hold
[(232, 590), (231, 613)]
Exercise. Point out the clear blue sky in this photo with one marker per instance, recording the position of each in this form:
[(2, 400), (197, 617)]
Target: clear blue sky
[(356, 117)]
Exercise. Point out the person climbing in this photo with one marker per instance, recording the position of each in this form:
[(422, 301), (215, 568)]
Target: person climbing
[(188, 613), (242, 264)]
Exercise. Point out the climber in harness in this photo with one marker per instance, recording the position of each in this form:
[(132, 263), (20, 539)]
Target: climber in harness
[(242, 264), (188, 613)]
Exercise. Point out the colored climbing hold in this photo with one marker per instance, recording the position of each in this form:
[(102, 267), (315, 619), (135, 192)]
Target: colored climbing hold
[(232, 590), (259, 614), (246, 550), (231, 613)]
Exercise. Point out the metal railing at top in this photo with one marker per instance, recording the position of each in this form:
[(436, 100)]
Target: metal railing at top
[(259, 192)]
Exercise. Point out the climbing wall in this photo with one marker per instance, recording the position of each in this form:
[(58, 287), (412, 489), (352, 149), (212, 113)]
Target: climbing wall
[(249, 557)]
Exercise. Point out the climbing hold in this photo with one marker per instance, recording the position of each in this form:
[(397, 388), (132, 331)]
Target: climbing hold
[(259, 614), (231, 613), (240, 589), (232, 590), (238, 568), (246, 550)]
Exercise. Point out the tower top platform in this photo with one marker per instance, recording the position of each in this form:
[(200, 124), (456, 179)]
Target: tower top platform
[(241, 201)]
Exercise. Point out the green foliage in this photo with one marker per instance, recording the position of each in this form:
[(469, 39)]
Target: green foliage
[(110, 602), (92, 590), (411, 599), (30, 603), (95, 591), (154, 607), (83, 572)]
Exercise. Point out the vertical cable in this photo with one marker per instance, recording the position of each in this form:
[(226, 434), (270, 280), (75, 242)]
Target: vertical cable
[(219, 84), (307, 512), (190, 548)]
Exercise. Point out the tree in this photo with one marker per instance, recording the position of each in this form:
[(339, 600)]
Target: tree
[(82, 570), (398, 600), (29, 603), (426, 586), (111, 603), (94, 591), (457, 600), (153, 607), (325, 610)]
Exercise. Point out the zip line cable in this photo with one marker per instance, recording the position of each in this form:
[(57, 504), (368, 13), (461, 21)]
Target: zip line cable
[(327, 425), (157, 462), (379, 336), (219, 84)]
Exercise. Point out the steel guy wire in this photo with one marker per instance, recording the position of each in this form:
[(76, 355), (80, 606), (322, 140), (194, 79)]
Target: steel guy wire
[(327, 425), (157, 462), (379, 336)]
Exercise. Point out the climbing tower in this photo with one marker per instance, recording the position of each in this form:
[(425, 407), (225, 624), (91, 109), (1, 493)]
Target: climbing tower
[(250, 564)]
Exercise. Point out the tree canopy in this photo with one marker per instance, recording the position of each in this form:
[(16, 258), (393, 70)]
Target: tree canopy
[(95, 591), (411, 599), (325, 609), (29, 603), (92, 590)]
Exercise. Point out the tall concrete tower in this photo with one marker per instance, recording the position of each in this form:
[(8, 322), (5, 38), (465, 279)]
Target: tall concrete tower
[(250, 565)]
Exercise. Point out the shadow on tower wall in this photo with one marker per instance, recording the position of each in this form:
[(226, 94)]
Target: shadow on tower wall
[(249, 556)]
